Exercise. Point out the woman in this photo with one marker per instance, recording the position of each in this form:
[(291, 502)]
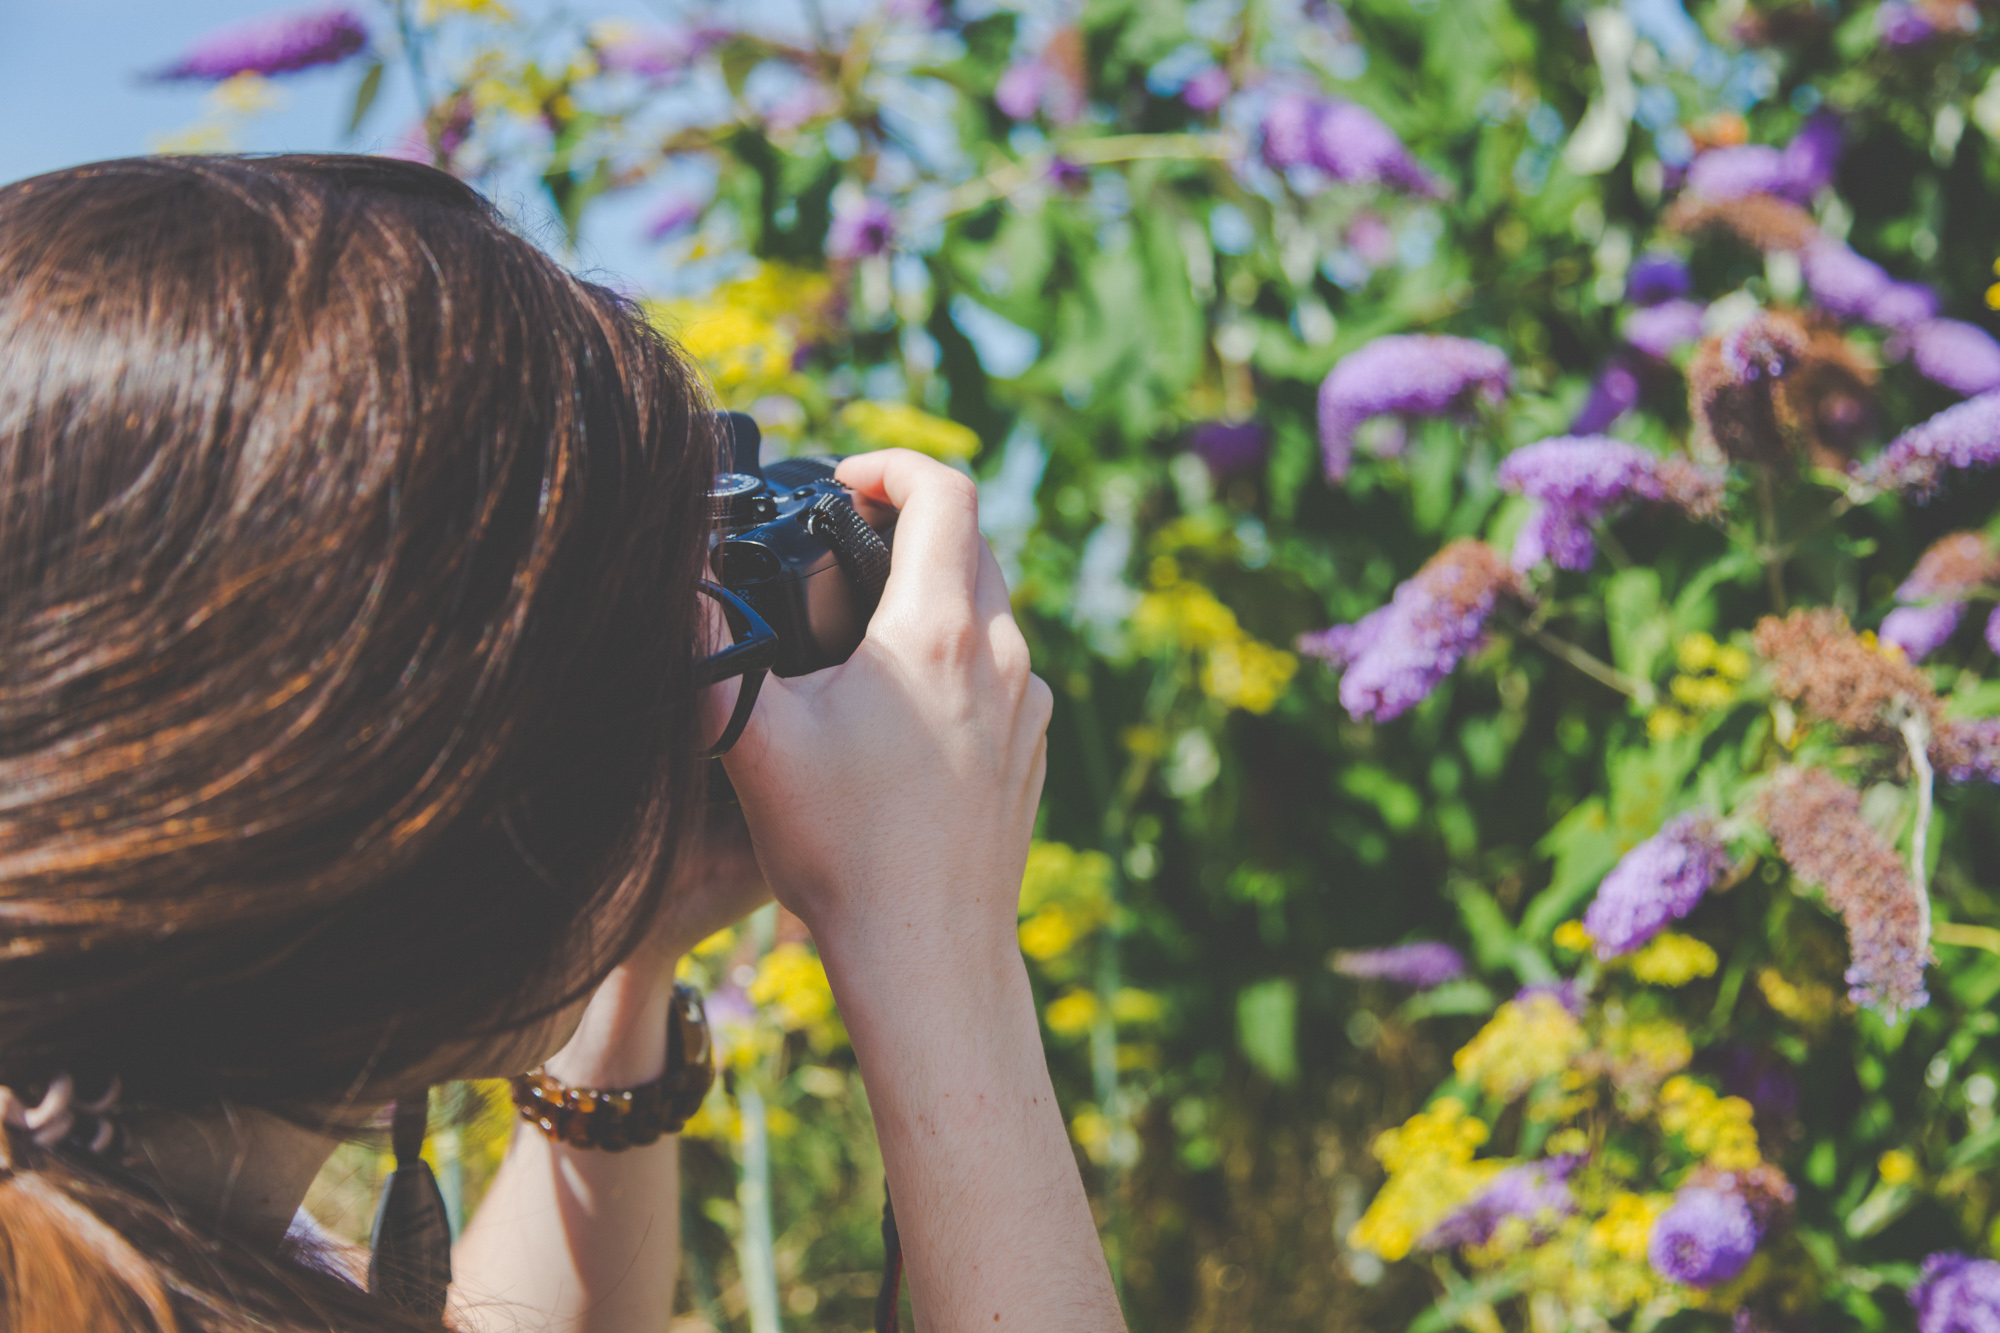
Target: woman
[(349, 726)]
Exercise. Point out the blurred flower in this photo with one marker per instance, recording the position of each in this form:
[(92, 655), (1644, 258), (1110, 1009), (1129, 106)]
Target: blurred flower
[(1963, 357), (791, 984), (1953, 566), (1968, 749), (1671, 959), (1051, 83), (1815, 819), (1902, 306), (1420, 965), (1370, 237), (1956, 1293), (1431, 1173), (1819, 663), (861, 228), (1656, 277), (1921, 630), (675, 214), (1761, 1077), (807, 101), (1071, 1014), (1899, 23), (1532, 1191), (1065, 895), (1659, 330), (1762, 221), (1412, 375), (1705, 1238), (1207, 89), (1658, 881), (1965, 435), (1813, 153), (1720, 1130), (1731, 173), (1581, 478), (1067, 175), (276, 44), (1523, 1043), (1776, 386), (1614, 393), (1230, 446), (1841, 281), (1396, 655), (1567, 992), (1237, 670), (893, 425), (1343, 139), (653, 52)]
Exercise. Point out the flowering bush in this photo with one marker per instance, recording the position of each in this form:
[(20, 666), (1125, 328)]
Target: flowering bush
[(1497, 489)]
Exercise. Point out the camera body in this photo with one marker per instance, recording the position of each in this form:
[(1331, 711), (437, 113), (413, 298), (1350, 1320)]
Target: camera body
[(789, 541)]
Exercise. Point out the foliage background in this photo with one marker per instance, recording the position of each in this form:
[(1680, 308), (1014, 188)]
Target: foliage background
[(1070, 294)]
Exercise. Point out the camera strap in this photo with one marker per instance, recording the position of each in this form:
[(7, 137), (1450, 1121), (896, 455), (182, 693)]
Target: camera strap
[(888, 1301)]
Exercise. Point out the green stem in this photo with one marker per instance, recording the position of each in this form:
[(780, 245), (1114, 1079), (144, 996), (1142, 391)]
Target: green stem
[(1595, 667), (1772, 553)]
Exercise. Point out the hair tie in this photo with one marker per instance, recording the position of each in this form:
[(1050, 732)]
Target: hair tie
[(60, 1117)]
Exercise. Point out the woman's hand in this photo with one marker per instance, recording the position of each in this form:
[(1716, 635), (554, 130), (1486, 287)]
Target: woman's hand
[(891, 798)]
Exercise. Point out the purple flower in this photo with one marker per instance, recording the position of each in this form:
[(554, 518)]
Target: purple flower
[(1903, 305), (1962, 357), (1706, 1237), (1921, 630), (1615, 393), (651, 52), (1956, 1293), (1658, 330), (1410, 374), (677, 213), (1993, 630), (1812, 154), (1531, 1190), (1230, 446), (1207, 90), (1658, 881), (1344, 140), (1396, 655), (1019, 92), (1762, 1078), (1567, 993), (1731, 173), (860, 230), (1965, 435), (1067, 175), (1581, 478), (1656, 278), (1899, 23), (1421, 965), (275, 44), (1968, 750), (1841, 281), (1050, 83)]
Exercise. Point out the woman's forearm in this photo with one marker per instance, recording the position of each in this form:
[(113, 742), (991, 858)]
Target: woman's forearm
[(996, 1229), (578, 1240)]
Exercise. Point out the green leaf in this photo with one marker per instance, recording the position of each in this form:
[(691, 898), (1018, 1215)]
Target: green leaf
[(1454, 997), (1641, 633), (364, 97), (1267, 1027)]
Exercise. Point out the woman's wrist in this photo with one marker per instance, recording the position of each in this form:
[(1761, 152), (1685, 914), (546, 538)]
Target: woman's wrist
[(621, 1041)]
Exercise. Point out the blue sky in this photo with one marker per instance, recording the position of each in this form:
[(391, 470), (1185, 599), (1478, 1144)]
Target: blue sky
[(73, 89)]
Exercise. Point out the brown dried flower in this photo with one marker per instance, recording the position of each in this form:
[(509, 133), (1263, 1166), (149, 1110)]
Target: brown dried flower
[(1815, 818), (1764, 1187), (1777, 387), (1818, 662), (1762, 221)]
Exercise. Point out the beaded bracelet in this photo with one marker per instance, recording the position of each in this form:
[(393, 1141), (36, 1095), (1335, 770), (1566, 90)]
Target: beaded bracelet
[(630, 1117)]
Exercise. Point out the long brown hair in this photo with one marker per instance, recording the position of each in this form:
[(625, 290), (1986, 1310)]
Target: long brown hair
[(348, 552)]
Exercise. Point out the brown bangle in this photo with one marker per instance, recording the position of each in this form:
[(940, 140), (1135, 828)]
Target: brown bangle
[(630, 1117)]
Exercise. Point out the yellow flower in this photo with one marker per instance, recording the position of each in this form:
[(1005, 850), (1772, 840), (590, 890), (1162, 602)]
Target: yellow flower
[(1072, 1014), (746, 332), (1897, 1167), (244, 95), (1572, 936), (1695, 652), (1136, 1007), (1808, 1004), (886, 425), (1431, 1173), (1065, 896), (1525, 1042), (430, 11), (1626, 1227), (1646, 1051), (1664, 723), (1244, 673), (1092, 1132), (1671, 959), (1567, 1141), (1733, 663), (792, 983), (1701, 693), (1717, 1128)]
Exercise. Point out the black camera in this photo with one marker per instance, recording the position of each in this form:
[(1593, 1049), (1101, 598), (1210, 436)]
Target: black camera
[(789, 541)]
